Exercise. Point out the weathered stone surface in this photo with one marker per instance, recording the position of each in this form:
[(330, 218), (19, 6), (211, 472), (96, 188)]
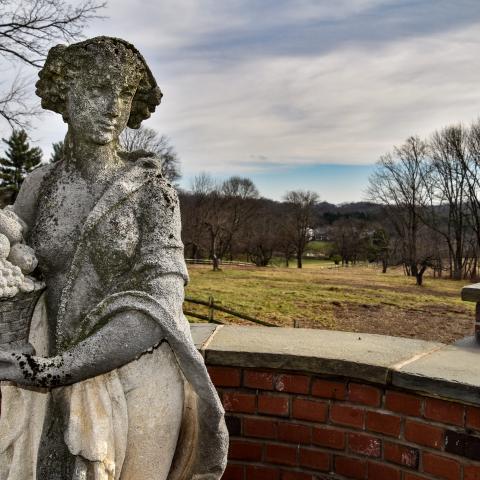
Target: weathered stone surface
[(363, 356), (106, 231), (471, 293), (452, 372), (468, 342), (448, 371), (201, 333)]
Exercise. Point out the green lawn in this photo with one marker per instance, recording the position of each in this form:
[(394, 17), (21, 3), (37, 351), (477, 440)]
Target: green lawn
[(354, 299), (319, 247)]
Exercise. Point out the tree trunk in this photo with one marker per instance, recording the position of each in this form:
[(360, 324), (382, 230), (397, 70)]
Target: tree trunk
[(215, 259), (413, 269), (419, 275), (458, 268), (299, 260), (384, 266), (473, 272)]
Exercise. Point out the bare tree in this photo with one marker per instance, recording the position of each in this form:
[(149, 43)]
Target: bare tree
[(14, 105), (238, 195), (28, 28), (447, 191), (381, 247), (471, 163), (239, 187), (398, 184), (300, 219), (194, 208), (261, 238), (204, 218), (203, 184), (216, 216), (350, 240), (147, 142)]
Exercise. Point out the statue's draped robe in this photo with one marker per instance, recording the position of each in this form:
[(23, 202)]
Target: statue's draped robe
[(129, 243)]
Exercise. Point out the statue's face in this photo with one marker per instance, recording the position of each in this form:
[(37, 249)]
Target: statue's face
[(98, 108)]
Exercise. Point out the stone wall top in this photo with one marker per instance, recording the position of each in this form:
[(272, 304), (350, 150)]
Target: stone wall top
[(471, 293), (447, 371)]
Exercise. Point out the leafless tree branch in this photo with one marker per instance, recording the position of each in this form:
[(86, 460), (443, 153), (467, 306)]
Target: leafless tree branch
[(28, 28), (14, 108), (146, 141)]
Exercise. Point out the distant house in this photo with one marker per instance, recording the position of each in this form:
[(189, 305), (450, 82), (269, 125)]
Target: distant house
[(321, 234)]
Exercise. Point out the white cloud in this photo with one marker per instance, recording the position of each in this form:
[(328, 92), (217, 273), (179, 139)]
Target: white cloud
[(229, 107), (347, 106)]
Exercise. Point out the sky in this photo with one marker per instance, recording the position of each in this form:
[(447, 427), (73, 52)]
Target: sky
[(298, 94)]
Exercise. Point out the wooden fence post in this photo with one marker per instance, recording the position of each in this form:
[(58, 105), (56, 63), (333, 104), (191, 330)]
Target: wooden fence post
[(211, 305)]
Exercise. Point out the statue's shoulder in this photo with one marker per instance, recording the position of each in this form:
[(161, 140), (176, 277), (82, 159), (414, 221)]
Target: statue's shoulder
[(35, 177), (160, 186), (150, 163), (27, 199), (160, 207)]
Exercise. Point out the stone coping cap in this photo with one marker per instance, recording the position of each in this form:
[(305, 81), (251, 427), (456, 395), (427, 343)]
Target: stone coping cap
[(471, 293), (446, 371)]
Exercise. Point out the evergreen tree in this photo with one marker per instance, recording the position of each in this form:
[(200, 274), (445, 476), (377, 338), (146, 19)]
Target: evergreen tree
[(19, 160), (57, 153)]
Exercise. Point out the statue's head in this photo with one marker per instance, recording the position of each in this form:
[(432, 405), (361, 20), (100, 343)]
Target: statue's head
[(99, 86)]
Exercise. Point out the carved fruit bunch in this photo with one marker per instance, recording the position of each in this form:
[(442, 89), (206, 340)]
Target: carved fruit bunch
[(17, 259)]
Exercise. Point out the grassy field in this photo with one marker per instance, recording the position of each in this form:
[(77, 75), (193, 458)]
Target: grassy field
[(307, 262), (359, 299), (319, 247)]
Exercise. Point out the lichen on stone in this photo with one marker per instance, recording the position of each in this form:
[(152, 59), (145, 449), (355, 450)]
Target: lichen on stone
[(121, 60)]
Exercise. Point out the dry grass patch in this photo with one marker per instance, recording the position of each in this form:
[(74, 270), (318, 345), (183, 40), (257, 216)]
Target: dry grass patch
[(356, 299)]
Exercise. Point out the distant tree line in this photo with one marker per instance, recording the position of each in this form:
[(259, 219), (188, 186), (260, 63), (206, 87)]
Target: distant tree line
[(229, 220), (423, 208), (423, 212), (429, 191)]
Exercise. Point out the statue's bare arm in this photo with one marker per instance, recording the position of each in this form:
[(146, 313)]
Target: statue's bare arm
[(124, 338), (26, 202)]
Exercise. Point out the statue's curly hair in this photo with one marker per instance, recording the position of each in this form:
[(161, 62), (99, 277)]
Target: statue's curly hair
[(65, 63)]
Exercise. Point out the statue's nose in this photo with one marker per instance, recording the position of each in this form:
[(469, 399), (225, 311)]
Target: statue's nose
[(113, 107)]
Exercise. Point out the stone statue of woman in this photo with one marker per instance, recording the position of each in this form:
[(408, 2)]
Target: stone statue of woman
[(116, 390)]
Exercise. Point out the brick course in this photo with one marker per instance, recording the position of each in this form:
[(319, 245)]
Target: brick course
[(472, 417), (441, 467), (328, 389), (444, 412), (295, 426), (273, 404), (312, 410), (365, 395), (403, 403), (424, 434), (387, 424), (347, 415)]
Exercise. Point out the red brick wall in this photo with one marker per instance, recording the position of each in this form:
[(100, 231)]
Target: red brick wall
[(286, 426)]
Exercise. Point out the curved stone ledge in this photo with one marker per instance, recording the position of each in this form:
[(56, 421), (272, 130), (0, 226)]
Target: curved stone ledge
[(437, 369), (313, 405)]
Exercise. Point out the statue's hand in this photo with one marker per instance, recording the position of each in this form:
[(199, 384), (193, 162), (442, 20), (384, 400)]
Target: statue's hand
[(32, 371), (13, 367)]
